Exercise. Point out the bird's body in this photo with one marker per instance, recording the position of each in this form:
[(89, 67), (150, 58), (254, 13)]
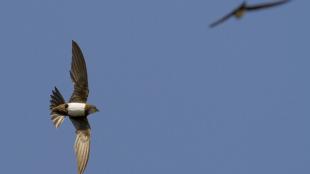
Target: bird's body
[(240, 11), (239, 14), (77, 109), (73, 109)]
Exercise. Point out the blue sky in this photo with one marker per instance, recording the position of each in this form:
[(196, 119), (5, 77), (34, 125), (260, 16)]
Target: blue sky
[(175, 96)]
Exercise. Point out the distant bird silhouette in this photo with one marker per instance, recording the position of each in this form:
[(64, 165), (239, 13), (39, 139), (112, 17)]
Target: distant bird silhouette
[(76, 109), (244, 7)]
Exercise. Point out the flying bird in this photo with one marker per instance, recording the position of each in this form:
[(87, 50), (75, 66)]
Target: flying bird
[(244, 7), (77, 108)]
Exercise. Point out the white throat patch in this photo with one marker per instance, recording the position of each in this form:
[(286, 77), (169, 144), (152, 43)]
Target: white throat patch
[(76, 109)]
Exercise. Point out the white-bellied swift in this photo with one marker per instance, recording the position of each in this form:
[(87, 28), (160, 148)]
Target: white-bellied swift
[(244, 7), (77, 109)]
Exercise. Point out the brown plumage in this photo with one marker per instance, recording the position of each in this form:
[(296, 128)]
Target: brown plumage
[(244, 7), (56, 100), (82, 142), (79, 78), (78, 75), (81, 147), (77, 109)]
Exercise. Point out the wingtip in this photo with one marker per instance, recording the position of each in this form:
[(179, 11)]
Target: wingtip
[(75, 45), (287, 0), (211, 26), (74, 42), (283, 1), (214, 24)]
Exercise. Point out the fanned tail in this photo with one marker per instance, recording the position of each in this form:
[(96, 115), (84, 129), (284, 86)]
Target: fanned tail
[(56, 100), (57, 119)]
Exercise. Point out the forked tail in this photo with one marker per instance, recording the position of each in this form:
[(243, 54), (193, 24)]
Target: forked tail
[(56, 99)]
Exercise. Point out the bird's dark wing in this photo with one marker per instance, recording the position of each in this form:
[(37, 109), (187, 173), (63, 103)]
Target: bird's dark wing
[(78, 75), (265, 5), (82, 142), (80, 123), (224, 18)]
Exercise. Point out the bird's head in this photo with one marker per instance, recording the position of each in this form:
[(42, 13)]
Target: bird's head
[(91, 109)]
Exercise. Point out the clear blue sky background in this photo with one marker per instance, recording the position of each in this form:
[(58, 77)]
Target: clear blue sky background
[(175, 96)]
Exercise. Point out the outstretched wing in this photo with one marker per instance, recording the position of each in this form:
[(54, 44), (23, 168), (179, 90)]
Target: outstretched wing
[(82, 142), (78, 75), (221, 20), (265, 5), (224, 18)]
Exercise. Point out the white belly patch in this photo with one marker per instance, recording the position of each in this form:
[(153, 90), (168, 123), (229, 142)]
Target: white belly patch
[(76, 109)]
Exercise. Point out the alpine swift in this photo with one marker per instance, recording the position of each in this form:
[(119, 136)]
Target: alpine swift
[(77, 109), (240, 11)]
